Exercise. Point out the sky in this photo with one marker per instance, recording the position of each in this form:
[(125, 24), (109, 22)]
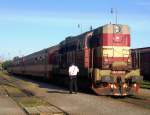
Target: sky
[(27, 26)]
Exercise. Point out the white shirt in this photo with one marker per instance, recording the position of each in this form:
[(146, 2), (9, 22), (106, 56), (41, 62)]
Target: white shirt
[(73, 70)]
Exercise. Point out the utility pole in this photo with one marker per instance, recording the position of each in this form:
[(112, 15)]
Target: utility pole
[(80, 26), (91, 28), (114, 11), (8, 56)]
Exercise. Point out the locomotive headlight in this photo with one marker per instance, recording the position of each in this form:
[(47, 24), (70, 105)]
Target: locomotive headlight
[(129, 60), (125, 86), (117, 29), (135, 85), (113, 86)]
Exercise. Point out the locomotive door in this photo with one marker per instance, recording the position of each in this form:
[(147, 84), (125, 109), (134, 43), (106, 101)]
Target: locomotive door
[(92, 57), (95, 58), (46, 64)]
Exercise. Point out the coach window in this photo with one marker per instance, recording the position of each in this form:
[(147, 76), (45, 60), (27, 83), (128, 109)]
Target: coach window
[(32, 60), (43, 56), (40, 58), (36, 59)]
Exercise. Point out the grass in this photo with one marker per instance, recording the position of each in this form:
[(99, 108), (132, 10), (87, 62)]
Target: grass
[(145, 84), (1, 73), (31, 102), (22, 99), (14, 92), (18, 94)]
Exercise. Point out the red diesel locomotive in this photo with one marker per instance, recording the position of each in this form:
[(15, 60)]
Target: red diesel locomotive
[(102, 55)]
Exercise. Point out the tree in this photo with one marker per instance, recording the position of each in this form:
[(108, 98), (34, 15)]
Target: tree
[(6, 64), (0, 66)]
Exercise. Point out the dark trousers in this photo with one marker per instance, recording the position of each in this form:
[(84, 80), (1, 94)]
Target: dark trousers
[(73, 84)]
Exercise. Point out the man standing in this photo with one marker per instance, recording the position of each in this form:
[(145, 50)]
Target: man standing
[(73, 70)]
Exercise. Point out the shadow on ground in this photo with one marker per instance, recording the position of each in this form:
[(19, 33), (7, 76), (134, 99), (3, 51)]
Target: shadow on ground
[(53, 86)]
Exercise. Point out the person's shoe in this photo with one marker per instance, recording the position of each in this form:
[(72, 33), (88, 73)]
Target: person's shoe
[(70, 92)]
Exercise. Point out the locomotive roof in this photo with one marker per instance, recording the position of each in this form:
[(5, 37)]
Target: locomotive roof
[(74, 38), (78, 36), (96, 30)]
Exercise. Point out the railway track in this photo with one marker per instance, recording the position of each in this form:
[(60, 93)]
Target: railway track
[(138, 100), (29, 102), (76, 104), (141, 101)]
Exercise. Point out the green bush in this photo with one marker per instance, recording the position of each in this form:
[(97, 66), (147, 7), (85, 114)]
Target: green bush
[(6, 64)]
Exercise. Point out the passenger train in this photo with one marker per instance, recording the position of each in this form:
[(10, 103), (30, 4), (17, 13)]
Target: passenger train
[(103, 56)]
